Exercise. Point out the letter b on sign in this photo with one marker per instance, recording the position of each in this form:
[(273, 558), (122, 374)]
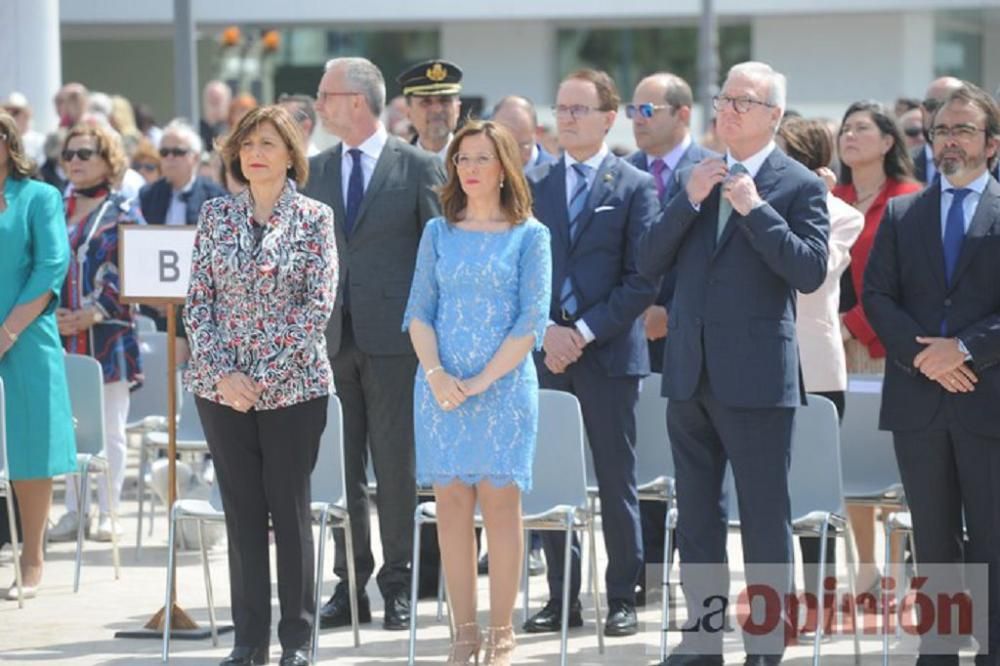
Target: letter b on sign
[(169, 271)]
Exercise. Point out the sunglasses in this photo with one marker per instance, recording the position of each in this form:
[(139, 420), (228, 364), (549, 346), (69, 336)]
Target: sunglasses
[(145, 166), (83, 153), (645, 110), (913, 132), (176, 152)]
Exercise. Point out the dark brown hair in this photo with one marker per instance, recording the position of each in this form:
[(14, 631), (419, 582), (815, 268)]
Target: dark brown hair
[(515, 197), (897, 163), (973, 95), (109, 147), (607, 91), (282, 122), (807, 141), (21, 165)]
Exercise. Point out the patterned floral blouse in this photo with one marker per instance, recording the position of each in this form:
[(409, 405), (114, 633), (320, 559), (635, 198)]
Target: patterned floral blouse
[(258, 303)]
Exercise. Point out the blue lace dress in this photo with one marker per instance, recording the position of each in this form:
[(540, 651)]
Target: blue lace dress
[(476, 289)]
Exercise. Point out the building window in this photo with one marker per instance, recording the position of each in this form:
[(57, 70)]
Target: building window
[(958, 45), (629, 54)]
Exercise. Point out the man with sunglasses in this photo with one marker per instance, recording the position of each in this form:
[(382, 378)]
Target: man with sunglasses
[(176, 198), (743, 236), (661, 123), (431, 89), (932, 294), (923, 158)]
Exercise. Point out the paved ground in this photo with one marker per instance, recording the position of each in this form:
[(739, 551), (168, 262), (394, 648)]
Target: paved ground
[(60, 627)]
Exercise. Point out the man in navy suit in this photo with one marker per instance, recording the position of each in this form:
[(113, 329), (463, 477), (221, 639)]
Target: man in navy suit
[(932, 293), (598, 208), (518, 115), (743, 236), (661, 123)]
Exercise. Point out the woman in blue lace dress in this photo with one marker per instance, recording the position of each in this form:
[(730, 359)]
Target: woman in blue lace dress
[(477, 308)]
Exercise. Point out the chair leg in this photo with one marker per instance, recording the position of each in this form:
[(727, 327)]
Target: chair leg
[(820, 591), (169, 597), (318, 587), (567, 560), (210, 597), (591, 562), (82, 481), (441, 594), (15, 546), (352, 580), (851, 563), (112, 506), (525, 576), (141, 490), (668, 556), (414, 584), (594, 582), (885, 604)]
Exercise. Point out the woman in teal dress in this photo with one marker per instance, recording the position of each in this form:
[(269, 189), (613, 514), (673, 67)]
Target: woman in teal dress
[(478, 306), (34, 256)]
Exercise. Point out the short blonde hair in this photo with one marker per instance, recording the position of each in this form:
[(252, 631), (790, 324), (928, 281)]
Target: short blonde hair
[(109, 147), (283, 123)]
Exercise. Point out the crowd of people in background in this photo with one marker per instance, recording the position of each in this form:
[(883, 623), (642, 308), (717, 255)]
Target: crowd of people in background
[(619, 291)]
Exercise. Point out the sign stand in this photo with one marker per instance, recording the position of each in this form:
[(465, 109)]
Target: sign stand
[(168, 251)]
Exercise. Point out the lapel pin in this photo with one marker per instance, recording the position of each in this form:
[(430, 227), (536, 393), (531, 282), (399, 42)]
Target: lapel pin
[(608, 177)]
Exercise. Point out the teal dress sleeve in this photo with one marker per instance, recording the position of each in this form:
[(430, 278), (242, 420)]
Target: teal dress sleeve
[(534, 284), (49, 247), (423, 301)]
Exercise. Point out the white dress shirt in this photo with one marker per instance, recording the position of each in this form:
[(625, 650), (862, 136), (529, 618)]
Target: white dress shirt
[(754, 162), (371, 149), (177, 212), (671, 158)]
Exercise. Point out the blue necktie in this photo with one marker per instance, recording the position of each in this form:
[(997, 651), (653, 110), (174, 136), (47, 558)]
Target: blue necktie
[(576, 205), (725, 208), (954, 235), (355, 191)]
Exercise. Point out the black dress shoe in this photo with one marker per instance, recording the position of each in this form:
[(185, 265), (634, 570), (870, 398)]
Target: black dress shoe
[(397, 613), (621, 619), (693, 660), (550, 617), (337, 611), (762, 660), (298, 657), (246, 656)]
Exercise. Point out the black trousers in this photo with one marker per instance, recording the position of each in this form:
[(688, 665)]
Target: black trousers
[(949, 472), (263, 461), (377, 395)]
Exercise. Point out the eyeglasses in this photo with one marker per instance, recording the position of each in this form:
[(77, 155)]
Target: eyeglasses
[(913, 132), (961, 132), (145, 166), (322, 94), (740, 104), (467, 161), (645, 110), (574, 111), (83, 153), (176, 152)]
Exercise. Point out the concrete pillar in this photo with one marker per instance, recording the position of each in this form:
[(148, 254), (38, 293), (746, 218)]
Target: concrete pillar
[(30, 56), (916, 52)]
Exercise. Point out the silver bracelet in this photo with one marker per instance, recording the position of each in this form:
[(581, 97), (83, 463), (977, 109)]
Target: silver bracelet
[(427, 375)]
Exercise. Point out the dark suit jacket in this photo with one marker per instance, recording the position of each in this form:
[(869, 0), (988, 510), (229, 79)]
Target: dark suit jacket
[(377, 261), (905, 295), (733, 312), (154, 199), (602, 260)]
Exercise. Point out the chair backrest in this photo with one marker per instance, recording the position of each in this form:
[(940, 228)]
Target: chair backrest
[(869, 458), (558, 472), (652, 444), (189, 423), (150, 399), (814, 479), (3, 433), (86, 396), (328, 484), (144, 324)]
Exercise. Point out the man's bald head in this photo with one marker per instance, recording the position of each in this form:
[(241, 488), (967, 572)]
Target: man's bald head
[(518, 115), (937, 92)]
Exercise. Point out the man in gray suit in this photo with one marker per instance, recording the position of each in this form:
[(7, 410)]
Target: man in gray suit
[(382, 194), (661, 123)]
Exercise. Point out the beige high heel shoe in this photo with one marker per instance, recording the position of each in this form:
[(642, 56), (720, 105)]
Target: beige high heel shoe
[(499, 646), (466, 645)]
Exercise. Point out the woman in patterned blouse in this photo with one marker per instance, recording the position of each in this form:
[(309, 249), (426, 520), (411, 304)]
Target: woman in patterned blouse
[(263, 280)]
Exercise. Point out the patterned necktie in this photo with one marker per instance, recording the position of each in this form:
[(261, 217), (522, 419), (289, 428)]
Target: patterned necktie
[(954, 235), (725, 208), (355, 191), (576, 205), (659, 169)]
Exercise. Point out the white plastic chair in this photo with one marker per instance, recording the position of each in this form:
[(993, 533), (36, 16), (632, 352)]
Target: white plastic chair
[(557, 502), (144, 324), (7, 490), (86, 393)]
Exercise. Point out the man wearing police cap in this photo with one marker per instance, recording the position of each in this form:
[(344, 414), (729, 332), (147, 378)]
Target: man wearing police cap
[(431, 89)]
